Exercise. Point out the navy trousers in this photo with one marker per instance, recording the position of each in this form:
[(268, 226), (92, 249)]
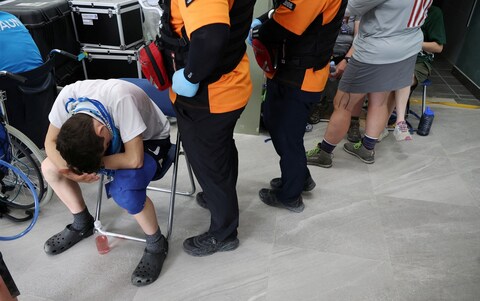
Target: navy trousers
[(285, 114), (212, 153)]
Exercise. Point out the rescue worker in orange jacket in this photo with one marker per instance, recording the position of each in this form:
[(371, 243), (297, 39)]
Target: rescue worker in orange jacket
[(302, 35), (205, 47)]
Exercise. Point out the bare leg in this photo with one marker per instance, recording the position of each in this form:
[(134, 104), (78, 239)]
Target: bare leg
[(377, 115), (344, 103), (357, 109), (150, 265), (391, 103), (68, 191), (401, 100), (147, 218)]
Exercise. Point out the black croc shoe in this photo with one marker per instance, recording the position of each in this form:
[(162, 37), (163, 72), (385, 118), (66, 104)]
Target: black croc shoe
[(150, 266), (206, 244), (66, 239)]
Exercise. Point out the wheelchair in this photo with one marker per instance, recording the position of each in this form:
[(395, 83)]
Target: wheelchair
[(24, 191), (28, 97)]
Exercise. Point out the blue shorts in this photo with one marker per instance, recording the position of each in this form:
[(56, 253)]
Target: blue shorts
[(129, 186)]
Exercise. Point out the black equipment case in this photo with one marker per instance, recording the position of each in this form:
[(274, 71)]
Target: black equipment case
[(113, 24), (50, 25), (111, 63)]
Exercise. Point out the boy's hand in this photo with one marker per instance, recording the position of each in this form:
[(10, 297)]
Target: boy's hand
[(83, 178)]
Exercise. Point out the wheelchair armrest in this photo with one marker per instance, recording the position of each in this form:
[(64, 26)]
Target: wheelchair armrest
[(43, 86)]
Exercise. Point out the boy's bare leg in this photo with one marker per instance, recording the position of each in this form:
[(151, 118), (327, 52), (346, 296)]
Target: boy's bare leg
[(147, 218), (68, 191), (156, 250), (70, 194)]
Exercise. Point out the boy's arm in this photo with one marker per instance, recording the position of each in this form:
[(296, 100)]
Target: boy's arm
[(432, 47), (51, 147), (130, 159)]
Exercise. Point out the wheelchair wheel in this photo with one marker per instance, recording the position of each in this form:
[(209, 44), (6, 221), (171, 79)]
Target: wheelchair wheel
[(15, 192), (36, 154), (13, 214)]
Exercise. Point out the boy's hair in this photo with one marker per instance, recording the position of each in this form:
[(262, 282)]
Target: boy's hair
[(79, 145)]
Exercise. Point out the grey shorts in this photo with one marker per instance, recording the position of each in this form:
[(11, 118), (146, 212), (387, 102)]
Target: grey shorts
[(366, 78)]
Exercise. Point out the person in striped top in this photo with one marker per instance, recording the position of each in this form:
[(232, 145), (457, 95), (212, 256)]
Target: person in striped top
[(386, 48)]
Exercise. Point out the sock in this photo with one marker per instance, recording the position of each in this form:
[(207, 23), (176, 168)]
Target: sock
[(82, 219), (327, 146), (369, 142), (154, 242)]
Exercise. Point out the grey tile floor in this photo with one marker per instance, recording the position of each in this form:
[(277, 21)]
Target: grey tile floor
[(404, 228)]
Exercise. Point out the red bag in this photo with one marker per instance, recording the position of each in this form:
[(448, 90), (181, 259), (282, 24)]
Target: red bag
[(153, 68), (264, 56)]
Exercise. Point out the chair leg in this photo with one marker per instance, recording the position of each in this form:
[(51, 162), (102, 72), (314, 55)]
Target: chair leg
[(173, 192), (173, 189), (99, 197), (173, 186), (98, 224), (190, 174), (424, 98)]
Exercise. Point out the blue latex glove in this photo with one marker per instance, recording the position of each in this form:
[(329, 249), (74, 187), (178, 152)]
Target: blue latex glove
[(182, 86), (255, 23)]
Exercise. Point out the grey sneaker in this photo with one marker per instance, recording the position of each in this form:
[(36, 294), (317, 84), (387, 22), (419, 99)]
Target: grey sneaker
[(319, 157), (358, 150), (353, 134)]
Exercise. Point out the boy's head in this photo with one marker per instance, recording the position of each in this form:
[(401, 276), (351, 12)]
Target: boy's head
[(82, 142)]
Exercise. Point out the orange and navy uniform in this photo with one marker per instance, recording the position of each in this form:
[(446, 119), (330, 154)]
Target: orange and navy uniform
[(304, 33), (231, 90)]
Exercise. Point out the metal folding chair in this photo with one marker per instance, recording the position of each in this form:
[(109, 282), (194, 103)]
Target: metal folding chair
[(162, 100)]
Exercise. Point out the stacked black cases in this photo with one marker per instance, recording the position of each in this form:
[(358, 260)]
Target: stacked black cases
[(110, 32), (111, 63), (113, 24)]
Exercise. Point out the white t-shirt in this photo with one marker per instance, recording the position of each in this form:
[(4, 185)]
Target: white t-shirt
[(132, 111)]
